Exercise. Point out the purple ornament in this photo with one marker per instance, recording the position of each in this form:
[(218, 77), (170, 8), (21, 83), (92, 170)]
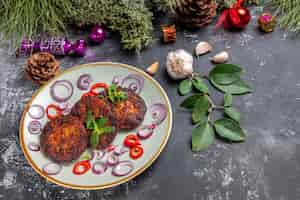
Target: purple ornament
[(56, 46), (97, 34), (79, 47), (26, 47)]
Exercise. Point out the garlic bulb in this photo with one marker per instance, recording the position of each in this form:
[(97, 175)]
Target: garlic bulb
[(221, 57), (203, 48), (179, 64)]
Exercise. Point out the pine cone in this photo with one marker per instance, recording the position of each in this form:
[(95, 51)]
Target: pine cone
[(41, 67), (195, 13)]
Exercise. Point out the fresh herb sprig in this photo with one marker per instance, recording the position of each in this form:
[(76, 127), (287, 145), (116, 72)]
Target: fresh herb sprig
[(98, 127), (227, 79), (116, 95)]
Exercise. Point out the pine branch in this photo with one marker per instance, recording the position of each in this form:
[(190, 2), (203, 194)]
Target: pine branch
[(288, 12), (27, 18), (130, 18), (165, 5)]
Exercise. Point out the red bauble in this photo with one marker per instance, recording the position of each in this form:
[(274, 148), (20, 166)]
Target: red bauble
[(236, 17)]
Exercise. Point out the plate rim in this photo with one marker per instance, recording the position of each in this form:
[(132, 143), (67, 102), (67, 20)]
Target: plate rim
[(115, 183)]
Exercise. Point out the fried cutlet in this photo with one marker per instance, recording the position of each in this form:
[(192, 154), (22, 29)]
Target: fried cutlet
[(99, 108), (130, 113), (64, 139)]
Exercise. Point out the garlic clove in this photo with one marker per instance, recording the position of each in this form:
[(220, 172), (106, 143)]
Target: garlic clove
[(152, 69), (221, 57), (203, 48)]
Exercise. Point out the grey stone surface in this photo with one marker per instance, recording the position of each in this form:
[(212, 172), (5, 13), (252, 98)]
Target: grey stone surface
[(265, 167)]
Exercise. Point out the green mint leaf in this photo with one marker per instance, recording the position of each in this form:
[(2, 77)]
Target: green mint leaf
[(108, 129), (225, 74), (233, 113), (185, 87), (238, 87), (199, 85), (94, 139), (227, 100), (200, 109), (202, 137), (89, 121), (101, 122), (116, 96), (190, 101), (229, 129)]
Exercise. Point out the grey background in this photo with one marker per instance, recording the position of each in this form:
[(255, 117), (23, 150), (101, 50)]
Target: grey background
[(265, 167)]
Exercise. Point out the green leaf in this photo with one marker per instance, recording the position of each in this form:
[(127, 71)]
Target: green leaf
[(238, 87), (108, 129), (116, 96), (229, 129), (200, 109), (101, 121), (199, 84), (202, 137), (227, 100), (89, 121), (225, 74), (233, 113), (94, 140), (190, 101), (185, 87)]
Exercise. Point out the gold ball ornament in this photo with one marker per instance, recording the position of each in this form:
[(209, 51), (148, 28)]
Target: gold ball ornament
[(266, 22)]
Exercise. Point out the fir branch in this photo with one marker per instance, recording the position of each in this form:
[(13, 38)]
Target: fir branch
[(288, 12), (130, 18), (27, 18), (165, 5)]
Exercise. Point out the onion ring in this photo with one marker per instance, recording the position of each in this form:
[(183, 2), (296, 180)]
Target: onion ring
[(123, 168), (55, 94), (158, 113), (84, 81), (34, 127), (36, 111), (133, 82)]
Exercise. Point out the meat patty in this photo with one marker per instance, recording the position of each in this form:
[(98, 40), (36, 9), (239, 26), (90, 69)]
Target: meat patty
[(99, 108), (106, 139), (130, 113), (64, 139)]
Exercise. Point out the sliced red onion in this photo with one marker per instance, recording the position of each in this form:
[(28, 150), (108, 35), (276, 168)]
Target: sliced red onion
[(65, 107), (84, 81), (158, 113), (32, 146), (36, 111), (99, 168), (97, 155), (145, 132), (123, 168), (52, 168), (112, 160), (116, 80), (61, 90), (133, 82), (34, 127), (120, 150)]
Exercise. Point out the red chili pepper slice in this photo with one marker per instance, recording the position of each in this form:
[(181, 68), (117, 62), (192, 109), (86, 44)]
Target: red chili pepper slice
[(88, 94), (96, 86), (58, 111), (136, 152), (81, 167), (131, 141)]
